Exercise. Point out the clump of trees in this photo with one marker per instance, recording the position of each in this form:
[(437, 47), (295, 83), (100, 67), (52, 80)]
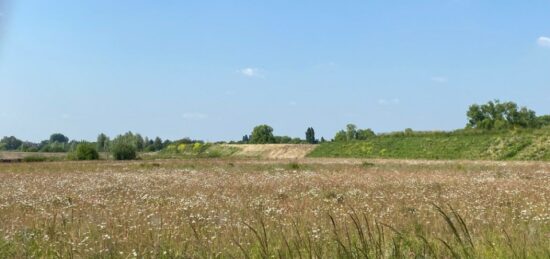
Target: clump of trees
[(351, 133), (263, 134), (125, 147), (56, 143), (496, 115), (10, 143), (310, 136), (84, 151)]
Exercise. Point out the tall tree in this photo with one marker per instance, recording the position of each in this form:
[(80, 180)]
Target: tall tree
[(10, 143), (497, 115), (58, 137), (140, 142), (262, 134), (341, 136), (351, 132), (364, 134), (310, 136), (157, 144), (102, 142)]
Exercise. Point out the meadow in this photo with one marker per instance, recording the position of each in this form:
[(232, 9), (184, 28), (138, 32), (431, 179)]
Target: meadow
[(261, 208)]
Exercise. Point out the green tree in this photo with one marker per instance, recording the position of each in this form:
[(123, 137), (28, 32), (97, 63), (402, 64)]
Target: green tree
[(310, 136), (10, 143), (495, 115), (157, 144), (123, 148), (282, 139), (140, 142), (341, 136), (262, 134), (102, 142), (86, 151), (351, 132), (544, 120), (365, 134), (58, 137)]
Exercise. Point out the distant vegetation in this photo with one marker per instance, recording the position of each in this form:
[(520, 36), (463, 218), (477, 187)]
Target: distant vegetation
[(495, 115), (530, 144), (84, 151), (495, 130)]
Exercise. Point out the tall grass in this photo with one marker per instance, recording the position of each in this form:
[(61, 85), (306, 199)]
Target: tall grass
[(257, 209)]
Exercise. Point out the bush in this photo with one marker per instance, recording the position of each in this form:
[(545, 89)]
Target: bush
[(122, 150), (85, 151), (31, 159)]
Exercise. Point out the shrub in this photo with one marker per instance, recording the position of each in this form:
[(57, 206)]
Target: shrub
[(181, 148), (85, 151), (197, 147), (122, 150), (30, 159)]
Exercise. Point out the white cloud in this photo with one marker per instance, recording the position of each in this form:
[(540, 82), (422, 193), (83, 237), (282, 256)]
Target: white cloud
[(440, 79), (389, 102), (250, 72), (194, 116), (544, 42)]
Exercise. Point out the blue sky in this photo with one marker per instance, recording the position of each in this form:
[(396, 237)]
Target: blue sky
[(214, 69)]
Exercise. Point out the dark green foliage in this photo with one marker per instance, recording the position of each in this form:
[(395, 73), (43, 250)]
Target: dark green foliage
[(124, 147), (157, 144), (58, 137), (31, 159), (85, 151), (367, 164), (102, 143), (365, 134), (124, 151), (10, 143), (57, 147), (245, 139), (544, 120), (29, 147), (341, 136), (352, 133), (310, 136), (495, 115), (262, 134)]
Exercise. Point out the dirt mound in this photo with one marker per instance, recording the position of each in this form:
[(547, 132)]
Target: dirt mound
[(274, 151)]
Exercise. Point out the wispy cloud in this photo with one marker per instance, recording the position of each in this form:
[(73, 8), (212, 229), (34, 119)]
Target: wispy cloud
[(389, 101), (544, 42), (194, 116), (440, 79), (250, 72)]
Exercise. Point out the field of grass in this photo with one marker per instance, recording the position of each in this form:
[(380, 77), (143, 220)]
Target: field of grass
[(532, 145), (247, 208)]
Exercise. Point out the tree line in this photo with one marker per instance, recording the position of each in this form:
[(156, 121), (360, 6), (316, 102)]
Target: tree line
[(491, 116)]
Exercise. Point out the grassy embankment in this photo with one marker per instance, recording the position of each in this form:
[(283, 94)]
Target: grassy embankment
[(512, 145)]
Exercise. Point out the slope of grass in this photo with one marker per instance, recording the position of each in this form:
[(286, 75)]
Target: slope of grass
[(517, 145)]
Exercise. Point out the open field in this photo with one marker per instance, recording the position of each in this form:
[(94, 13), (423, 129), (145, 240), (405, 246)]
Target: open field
[(322, 208)]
